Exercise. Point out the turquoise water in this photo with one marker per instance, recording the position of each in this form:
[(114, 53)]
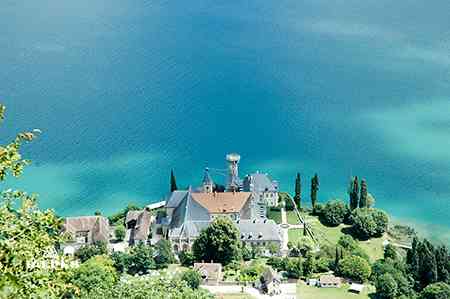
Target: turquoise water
[(126, 90)]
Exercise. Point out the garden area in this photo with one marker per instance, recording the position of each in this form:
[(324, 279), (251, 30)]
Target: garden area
[(306, 292)]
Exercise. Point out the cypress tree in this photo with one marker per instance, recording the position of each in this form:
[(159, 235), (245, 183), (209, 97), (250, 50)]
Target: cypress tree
[(314, 190), (412, 259), (298, 191), (363, 197), (442, 264), (354, 193), (427, 264), (336, 260), (173, 182)]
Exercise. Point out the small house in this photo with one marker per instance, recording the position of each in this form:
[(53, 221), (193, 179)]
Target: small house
[(270, 282), (312, 282), (329, 281), (211, 273)]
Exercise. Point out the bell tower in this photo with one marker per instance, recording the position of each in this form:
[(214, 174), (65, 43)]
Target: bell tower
[(208, 184)]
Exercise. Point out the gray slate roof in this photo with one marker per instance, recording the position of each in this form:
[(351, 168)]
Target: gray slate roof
[(175, 198), (257, 230), (259, 182)]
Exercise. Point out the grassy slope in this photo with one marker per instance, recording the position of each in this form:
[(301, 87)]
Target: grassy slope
[(274, 215), (373, 247), (307, 292)]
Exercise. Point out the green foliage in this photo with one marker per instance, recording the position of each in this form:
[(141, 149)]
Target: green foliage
[(140, 260), (309, 266), (164, 255), (353, 192), (186, 258), (219, 242), (119, 232), (298, 191), (88, 251), (173, 182), (192, 278), (252, 271), (294, 267), (334, 213), (390, 252), (160, 287), (350, 246), (27, 234), (246, 252), (363, 196), (354, 267), (387, 287), (438, 290), (119, 218), (369, 222), (97, 272), (314, 190), (396, 269)]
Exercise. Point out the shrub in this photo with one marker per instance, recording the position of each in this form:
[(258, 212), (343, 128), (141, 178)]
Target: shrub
[(438, 290), (369, 222), (88, 251), (186, 258), (164, 255), (386, 286), (97, 272), (192, 278), (334, 213), (119, 232)]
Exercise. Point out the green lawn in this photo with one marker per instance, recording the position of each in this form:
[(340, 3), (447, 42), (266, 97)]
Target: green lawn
[(373, 247), (274, 215), (233, 296), (292, 217), (307, 292), (294, 234)]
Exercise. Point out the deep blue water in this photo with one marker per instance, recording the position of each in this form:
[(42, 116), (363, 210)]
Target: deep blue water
[(126, 90)]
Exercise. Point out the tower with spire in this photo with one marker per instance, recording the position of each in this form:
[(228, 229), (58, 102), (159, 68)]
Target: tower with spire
[(207, 183)]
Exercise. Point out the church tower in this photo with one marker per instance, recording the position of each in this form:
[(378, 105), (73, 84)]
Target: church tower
[(208, 184)]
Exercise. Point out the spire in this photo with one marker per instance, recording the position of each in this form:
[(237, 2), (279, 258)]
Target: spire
[(207, 180)]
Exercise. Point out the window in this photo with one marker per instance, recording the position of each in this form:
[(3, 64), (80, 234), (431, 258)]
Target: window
[(81, 236)]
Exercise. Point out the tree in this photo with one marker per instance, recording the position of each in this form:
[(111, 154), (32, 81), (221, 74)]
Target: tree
[(363, 197), (369, 222), (386, 287), (97, 272), (27, 233), (192, 278), (219, 242), (173, 182), (186, 258), (314, 190), (141, 259), (91, 250), (121, 261), (164, 255), (298, 191), (353, 192), (334, 213), (309, 266), (119, 232), (273, 248), (427, 264), (246, 252), (355, 267), (438, 290), (442, 264), (390, 252), (294, 267)]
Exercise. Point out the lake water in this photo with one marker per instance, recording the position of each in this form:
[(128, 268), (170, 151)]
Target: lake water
[(126, 90)]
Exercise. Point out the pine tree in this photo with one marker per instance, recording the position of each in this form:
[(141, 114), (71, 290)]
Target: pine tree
[(363, 197), (298, 191), (354, 193), (314, 190), (173, 182), (427, 264), (412, 259), (442, 264)]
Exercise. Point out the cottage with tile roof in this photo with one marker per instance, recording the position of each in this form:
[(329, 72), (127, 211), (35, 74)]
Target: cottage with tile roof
[(85, 230), (138, 226)]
